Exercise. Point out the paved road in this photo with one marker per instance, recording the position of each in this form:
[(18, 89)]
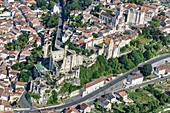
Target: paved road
[(107, 86)]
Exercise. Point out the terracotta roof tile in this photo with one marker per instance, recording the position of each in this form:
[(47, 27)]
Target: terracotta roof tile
[(93, 82)]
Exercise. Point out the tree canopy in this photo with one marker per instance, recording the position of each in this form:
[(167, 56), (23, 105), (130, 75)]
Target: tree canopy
[(53, 98), (18, 44), (50, 20), (146, 69)]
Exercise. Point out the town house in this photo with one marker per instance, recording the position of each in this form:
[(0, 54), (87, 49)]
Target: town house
[(121, 94), (84, 108), (92, 86), (134, 79), (104, 103), (162, 70)]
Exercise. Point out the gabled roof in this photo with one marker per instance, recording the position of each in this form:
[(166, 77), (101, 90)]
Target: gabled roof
[(106, 14), (150, 6), (71, 110), (104, 101), (93, 82), (109, 96), (83, 106), (163, 67), (135, 76), (121, 93)]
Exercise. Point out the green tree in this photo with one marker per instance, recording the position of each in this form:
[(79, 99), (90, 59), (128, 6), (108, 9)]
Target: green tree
[(33, 6), (126, 63), (148, 54), (162, 13), (137, 57), (19, 43), (115, 65), (35, 96), (24, 76), (91, 52), (165, 39), (41, 3), (95, 35), (146, 70), (98, 7), (87, 2), (158, 46), (50, 20), (96, 104), (53, 98)]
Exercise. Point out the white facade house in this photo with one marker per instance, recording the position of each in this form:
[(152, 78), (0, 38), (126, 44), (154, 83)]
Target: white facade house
[(121, 94), (92, 86), (165, 29), (85, 108), (111, 97), (5, 96), (150, 8), (162, 70), (104, 103), (134, 79)]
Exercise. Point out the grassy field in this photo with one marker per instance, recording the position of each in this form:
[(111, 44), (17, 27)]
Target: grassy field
[(141, 96), (143, 40), (149, 77), (164, 85), (165, 50)]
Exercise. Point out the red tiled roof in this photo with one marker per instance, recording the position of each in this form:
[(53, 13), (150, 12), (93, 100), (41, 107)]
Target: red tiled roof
[(121, 93), (163, 67), (150, 6), (93, 82)]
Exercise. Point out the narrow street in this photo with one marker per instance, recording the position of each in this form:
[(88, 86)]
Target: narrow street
[(58, 39)]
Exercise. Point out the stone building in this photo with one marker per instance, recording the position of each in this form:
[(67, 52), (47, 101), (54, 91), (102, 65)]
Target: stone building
[(65, 60), (111, 50), (135, 16)]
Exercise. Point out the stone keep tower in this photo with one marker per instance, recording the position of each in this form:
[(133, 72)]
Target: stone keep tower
[(110, 49)]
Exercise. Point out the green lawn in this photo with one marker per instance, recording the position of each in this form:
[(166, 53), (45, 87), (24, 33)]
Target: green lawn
[(143, 40), (100, 45), (39, 67), (141, 97), (164, 86), (165, 50), (149, 77)]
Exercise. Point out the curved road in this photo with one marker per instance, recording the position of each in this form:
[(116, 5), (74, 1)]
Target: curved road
[(107, 86)]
